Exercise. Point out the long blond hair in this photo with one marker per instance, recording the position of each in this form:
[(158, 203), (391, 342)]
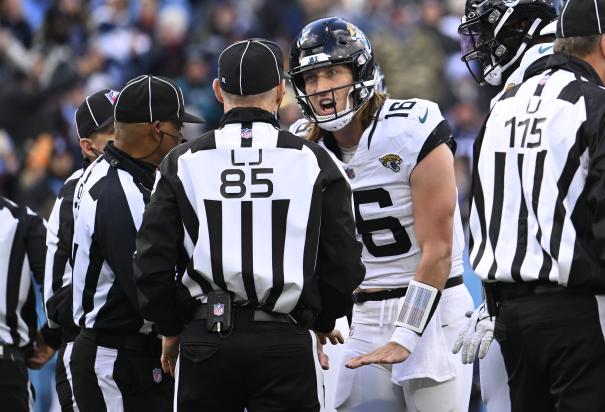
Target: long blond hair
[(365, 115)]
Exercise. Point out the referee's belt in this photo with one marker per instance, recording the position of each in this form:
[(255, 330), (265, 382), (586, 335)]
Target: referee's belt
[(508, 291), (116, 340), (201, 312), (12, 353), (397, 293)]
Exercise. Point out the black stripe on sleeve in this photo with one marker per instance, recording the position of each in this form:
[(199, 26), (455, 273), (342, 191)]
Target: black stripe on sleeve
[(286, 140), (214, 216), (496, 217), (442, 133), (538, 176), (477, 199), (279, 218), (569, 170), (91, 280), (247, 252), (13, 281), (64, 235), (572, 92), (522, 231)]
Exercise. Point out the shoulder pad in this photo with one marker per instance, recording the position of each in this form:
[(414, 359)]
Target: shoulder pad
[(412, 116)]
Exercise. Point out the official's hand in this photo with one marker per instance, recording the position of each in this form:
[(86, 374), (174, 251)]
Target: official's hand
[(323, 359), (41, 353), (335, 337), (170, 353), (477, 337), (390, 353)]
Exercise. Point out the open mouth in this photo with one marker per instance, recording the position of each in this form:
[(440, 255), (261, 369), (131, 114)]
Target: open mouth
[(327, 106)]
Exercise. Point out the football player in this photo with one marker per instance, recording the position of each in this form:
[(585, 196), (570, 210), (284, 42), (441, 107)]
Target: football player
[(500, 40), (398, 155)]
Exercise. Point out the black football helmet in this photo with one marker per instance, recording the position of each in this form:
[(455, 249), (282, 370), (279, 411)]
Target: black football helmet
[(332, 41), (496, 33)]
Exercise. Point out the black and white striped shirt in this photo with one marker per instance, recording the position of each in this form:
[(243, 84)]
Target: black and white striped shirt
[(539, 178), (58, 272), (108, 208), (22, 251), (255, 211)]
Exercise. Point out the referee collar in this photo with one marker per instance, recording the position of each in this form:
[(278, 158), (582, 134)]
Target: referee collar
[(248, 114), (572, 64), (141, 171)]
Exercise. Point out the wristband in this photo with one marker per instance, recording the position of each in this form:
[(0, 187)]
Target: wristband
[(419, 304)]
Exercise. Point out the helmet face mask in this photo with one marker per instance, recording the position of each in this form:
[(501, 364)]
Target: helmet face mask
[(328, 42), (496, 33)]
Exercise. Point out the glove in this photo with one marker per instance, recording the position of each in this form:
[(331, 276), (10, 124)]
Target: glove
[(477, 337)]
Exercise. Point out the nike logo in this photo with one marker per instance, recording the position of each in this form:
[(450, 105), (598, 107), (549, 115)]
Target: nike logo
[(423, 118), (544, 49)]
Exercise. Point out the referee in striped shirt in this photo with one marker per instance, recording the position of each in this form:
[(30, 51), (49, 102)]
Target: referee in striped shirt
[(115, 360), (538, 220), (22, 249), (259, 224), (94, 125)]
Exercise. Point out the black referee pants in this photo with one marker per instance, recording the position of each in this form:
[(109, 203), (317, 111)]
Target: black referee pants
[(117, 379), (63, 378), (16, 392), (260, 366), (554, 352)]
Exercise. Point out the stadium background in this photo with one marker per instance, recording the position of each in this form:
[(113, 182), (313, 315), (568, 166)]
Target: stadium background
[(54, 53)]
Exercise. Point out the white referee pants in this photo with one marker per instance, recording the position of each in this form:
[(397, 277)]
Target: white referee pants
[(434, 381)]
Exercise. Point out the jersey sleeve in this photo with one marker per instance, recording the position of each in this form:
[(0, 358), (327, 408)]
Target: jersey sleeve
[(419, 126)]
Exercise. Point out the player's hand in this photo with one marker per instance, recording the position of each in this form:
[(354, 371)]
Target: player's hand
[(41, 353), (323, 359), (390, 353), (477, 337), (170, 353), (335, 337)]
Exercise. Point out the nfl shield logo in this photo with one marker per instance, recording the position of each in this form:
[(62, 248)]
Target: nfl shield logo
[(350, 172), (157, 375), (246, 133), (219, 309)]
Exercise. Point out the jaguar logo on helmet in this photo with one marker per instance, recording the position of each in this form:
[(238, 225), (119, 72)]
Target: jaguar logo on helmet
[(391, 161)]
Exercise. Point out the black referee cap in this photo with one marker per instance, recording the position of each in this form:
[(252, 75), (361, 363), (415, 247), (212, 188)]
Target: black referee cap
[(251, 67), (580, 18), (95, 112), (146, 99)]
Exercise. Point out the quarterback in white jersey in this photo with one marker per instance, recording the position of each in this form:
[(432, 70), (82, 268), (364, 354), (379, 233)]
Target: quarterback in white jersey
[(398, 156), (485, 27)]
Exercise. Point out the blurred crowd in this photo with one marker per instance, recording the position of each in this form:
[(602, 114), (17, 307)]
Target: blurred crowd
[(54, 53)]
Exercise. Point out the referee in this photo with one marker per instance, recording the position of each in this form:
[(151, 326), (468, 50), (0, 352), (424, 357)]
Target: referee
[(115, 360), (94, 125), (259, 224), (538, 224), (22, 249)]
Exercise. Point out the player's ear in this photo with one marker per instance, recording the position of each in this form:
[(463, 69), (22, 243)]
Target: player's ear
[(216, 86)]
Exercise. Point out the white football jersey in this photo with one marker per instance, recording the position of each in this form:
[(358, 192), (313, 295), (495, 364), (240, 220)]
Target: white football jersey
[(405, 131)]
